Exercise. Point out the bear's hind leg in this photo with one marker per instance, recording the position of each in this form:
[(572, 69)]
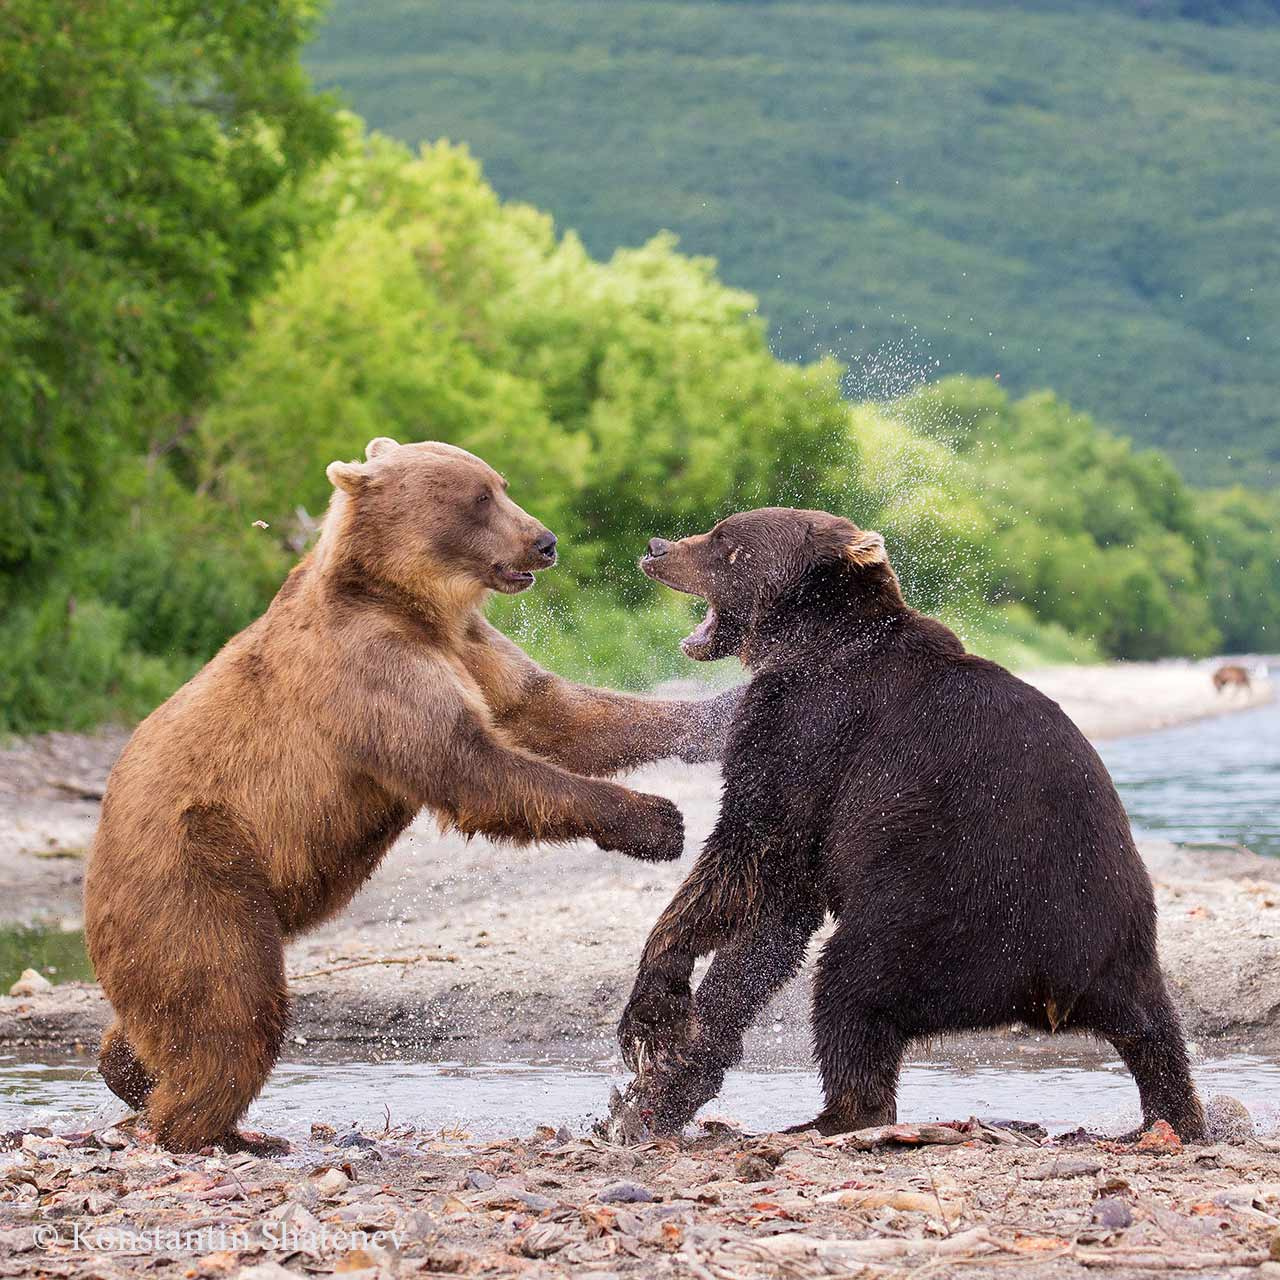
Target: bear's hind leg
[(859, 1049), (214, 1067), (1138, 1018), (209, 1016), (122, 1070)]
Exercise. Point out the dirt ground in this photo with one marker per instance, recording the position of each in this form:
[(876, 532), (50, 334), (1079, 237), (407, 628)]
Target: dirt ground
[(724, 1206)]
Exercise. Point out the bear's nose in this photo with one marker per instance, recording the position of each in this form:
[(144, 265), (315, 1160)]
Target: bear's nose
[(545, 544), (658, 547)]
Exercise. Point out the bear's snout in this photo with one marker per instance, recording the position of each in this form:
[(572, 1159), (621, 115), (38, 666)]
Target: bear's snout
[(658, 547)]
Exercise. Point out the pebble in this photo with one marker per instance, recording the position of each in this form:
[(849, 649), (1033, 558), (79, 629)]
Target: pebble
[(750, 1167), (1228, 1120), (1063, 1167), (332, 1182), (625, 1193), (478, 1180), (354, 1140), (1112, 1212), (31, 983)]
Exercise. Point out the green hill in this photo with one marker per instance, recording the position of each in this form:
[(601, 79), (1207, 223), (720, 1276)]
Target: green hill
[(1073, 195)]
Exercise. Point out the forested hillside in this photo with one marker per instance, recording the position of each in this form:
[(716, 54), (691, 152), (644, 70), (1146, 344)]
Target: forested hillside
[(1076, 195)]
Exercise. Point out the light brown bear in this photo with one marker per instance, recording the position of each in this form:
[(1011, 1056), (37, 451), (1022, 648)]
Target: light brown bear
[(255, 802)]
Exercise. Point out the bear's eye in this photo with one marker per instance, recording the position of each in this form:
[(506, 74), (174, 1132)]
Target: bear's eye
[(484, 497)]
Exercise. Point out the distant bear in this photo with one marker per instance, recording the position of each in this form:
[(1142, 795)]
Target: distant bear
[(963, 833), (1231, 676), (257, 800)]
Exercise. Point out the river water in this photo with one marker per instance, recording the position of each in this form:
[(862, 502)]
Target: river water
[(1209, 782), (501, 1098)]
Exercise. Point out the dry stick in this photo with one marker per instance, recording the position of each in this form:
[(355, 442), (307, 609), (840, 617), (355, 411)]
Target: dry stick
[(1161, 1260), (361, 964)]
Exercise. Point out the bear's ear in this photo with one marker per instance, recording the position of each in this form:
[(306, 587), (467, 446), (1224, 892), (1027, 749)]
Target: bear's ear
[(867, 548), (380, 445), (347, 476)]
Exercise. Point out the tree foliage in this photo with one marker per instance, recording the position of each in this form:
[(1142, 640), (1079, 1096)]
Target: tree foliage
[(149, 151)]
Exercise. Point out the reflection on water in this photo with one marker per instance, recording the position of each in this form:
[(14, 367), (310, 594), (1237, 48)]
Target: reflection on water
[(491, 1099), (1213, 780)]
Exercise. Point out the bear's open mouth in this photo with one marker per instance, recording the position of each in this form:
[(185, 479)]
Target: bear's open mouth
[(512, 581), (697, 644)]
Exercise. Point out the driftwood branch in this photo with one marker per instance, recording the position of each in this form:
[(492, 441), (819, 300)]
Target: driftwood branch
[(1166, 1260), (362, 964)]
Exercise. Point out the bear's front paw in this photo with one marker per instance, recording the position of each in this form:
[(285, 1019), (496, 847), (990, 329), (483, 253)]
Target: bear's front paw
[(658, 1022), (655, 831)]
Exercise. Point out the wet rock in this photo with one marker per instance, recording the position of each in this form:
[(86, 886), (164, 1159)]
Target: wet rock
[(1160, 1138), (31, 983), (751, 1167), (478, 1180), (323, 1132), (1063, 1167), (355, 1140), (544, 1238), (1228, 1120), (1028, 1128), (625, 1193), (1112, 1213)]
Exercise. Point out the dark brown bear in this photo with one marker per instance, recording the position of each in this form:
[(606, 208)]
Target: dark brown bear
[(258, 799), (963, 833)]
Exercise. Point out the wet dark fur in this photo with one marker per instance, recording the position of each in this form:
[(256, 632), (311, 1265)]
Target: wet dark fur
[(962, 831)]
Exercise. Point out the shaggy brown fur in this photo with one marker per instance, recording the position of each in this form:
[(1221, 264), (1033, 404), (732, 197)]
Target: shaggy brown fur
[(957, 825), (257, 800)]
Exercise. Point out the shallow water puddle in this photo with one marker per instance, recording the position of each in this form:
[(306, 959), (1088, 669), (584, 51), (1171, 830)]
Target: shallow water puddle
[(502, 1098)]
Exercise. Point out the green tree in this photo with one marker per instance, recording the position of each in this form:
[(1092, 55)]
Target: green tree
[(149, 151), (150, 155)]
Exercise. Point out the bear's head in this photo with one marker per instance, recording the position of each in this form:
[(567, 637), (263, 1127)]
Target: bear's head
[(757, 568), (435, 519)]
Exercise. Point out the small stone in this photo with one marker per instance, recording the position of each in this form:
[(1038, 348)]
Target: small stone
[(625, 1193), (1063, 1167), (1160, 1138), (478, 1180), (750, 1167), (544, 1238), (1273, 1247), (355, 1140), (332, 1182), (322, 1132), (1228, 1120), (31, 983), (1112, 1212), (563, 1135), (296, 1217)]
